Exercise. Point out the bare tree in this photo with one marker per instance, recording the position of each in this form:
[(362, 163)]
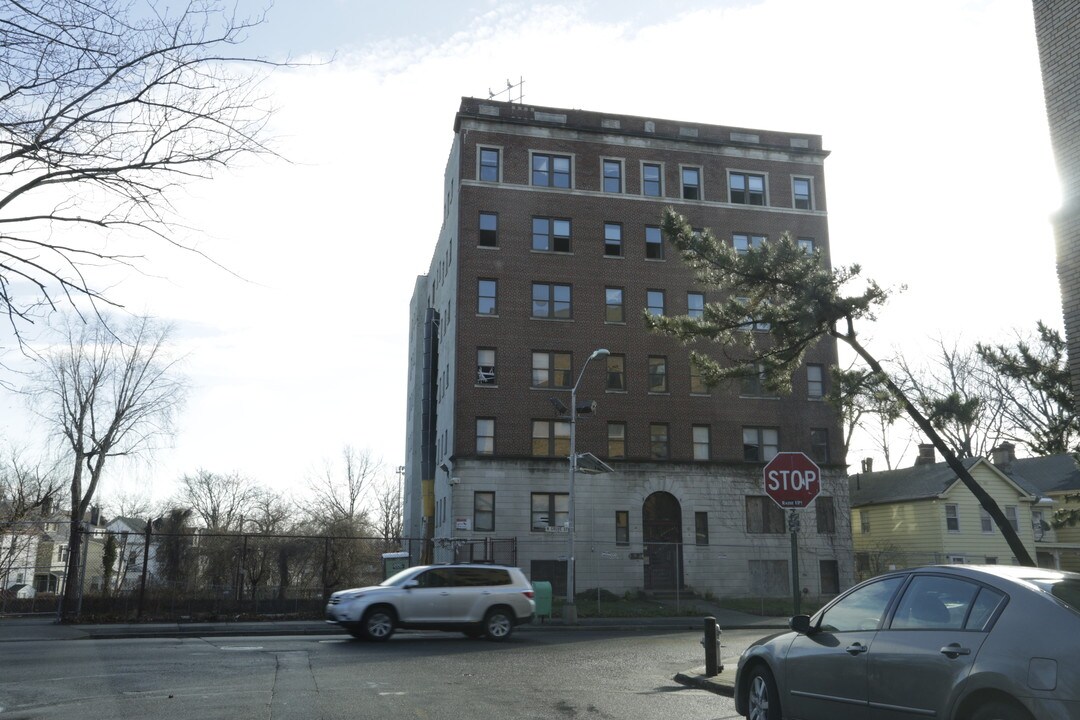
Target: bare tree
[(28, 491), (107, 392), (126, 504), (106, 107), (221, 502), (954, 393), (337, 496), (386, 496), (865, 403)]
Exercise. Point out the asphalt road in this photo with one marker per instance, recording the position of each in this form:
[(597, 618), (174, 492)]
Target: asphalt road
[(580, 674)]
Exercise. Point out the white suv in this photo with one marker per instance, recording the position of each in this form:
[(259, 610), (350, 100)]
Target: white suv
[(474, 599)]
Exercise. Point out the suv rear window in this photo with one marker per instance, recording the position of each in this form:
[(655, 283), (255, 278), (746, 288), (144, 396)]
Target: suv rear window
[(480, 576)]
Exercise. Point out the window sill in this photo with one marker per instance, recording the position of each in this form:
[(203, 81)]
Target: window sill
[(551, 319), (660, 393), (615, 392), (487, 247), (486, 385), (648, 259), (614, 257), (487, 315), (534, 251)]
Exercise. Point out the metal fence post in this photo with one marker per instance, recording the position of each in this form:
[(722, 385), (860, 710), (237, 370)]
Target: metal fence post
[(145, 562)]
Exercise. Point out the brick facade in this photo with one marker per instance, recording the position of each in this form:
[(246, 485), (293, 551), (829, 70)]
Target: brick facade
[(717, 486)]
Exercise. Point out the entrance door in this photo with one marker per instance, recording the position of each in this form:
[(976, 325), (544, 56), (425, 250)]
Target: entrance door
[(661, 523)]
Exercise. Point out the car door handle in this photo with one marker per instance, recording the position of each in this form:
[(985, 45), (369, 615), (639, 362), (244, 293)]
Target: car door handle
[(856, 648), (954, 651), (444, 592)]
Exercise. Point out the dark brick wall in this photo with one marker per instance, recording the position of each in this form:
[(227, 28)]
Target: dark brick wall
[(1057, 25), (516, 335)]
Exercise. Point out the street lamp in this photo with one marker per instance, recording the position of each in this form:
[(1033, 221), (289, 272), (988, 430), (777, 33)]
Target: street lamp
[(570, 610)]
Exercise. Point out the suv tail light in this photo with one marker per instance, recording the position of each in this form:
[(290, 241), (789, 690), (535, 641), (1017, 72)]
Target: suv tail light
[(528, 593)]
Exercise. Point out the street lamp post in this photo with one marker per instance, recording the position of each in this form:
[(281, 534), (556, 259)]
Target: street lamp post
[(569, 609)]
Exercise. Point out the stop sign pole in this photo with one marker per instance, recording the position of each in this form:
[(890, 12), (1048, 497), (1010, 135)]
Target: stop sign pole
[(793, 481)]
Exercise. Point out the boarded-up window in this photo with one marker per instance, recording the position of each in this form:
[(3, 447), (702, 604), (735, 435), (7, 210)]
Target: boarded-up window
[(763, 515), (770, 578)]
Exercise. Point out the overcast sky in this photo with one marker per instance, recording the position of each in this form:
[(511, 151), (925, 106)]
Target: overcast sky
[(940, 178)]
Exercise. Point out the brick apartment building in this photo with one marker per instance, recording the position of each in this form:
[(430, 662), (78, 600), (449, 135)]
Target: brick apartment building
[(1057, 26), (550, 250)]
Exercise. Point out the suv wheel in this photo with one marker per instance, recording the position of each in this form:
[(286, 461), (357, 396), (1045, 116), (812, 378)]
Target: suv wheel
[(378, 624), (498, 623)]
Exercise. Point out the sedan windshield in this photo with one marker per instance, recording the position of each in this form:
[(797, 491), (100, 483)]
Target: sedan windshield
[(1065, 589)]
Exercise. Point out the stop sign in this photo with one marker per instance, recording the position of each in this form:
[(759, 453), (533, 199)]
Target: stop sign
[(792, 480)]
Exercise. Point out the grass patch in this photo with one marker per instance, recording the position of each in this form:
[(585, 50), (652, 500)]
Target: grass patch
[(769, 607), (605, 604)]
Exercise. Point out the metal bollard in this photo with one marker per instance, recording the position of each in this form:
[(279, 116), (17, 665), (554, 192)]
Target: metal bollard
[(711, 642)]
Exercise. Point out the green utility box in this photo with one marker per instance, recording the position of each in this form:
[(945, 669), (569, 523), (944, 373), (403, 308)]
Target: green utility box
[(542, 598), (394, 562)]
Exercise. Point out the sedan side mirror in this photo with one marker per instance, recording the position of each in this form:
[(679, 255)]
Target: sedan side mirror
[(800, 624), (411, 584)]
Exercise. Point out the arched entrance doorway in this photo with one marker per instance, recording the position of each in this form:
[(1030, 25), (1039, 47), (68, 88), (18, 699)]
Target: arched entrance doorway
[(661, 521)]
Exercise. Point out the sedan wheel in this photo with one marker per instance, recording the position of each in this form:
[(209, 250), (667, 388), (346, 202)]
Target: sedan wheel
[(763, 702), (378, 625), (498, 625)]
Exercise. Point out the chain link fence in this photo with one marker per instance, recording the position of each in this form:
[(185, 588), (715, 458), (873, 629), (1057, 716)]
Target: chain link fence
[(204, 576)]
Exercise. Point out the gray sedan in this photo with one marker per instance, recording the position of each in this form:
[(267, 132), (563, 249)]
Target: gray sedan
[(956, 642)]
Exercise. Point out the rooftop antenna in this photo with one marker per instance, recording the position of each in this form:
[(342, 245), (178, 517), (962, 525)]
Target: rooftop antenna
[(519, 86)]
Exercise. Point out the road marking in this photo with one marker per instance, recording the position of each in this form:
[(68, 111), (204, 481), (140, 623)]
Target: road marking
[(241, 647), (383, 694)]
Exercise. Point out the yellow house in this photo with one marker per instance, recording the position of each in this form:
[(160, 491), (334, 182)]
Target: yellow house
[(924, 514), (1057, 477)]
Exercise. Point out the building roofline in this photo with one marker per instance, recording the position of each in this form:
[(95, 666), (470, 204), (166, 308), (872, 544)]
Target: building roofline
[(635, 126)]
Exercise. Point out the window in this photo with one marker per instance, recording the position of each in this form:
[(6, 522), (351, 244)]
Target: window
[(612, 239), (654, 243), (551, 369), (613, 302), (485, 436), (651, 183), (952, 518), (616, 372), (551, 301), (658, 441), (935, 603), (701, 528), (829, 572), (489, 230), (551, 170), (616, 440), (747, 189), (486, 291), (622, 527), (760, 444), (751, 324), (613, 176), (826, 515), (753, 383), (819, 445), (864, 522), (742, 242), (815, 382), (484, 511), (551, 438), (697, 382), (655, 302), (701, 442), (550, 510), (800, 188), (986, 523), (695, 304), (1010, 515), (807, 245), (551, 235), (763, 516), (862, 609), (657, 374), (691, 183), (485, 366), (489, 165)]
